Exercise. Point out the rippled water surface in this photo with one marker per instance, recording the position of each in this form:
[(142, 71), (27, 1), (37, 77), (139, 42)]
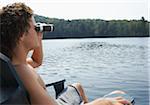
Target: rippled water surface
[(101, 65)]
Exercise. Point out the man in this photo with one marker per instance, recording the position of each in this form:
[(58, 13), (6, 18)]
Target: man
[(18, 37)]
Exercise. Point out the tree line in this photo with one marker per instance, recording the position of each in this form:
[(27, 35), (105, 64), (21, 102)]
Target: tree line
[(79, 28)]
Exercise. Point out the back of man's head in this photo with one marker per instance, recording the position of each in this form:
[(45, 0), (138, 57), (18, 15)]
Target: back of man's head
[(14, 21)]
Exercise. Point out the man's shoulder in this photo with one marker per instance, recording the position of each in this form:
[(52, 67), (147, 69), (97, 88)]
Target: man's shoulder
[(27, 75), (25, 71)]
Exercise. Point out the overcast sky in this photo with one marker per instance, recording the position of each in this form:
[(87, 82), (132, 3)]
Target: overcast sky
[(93, 9)]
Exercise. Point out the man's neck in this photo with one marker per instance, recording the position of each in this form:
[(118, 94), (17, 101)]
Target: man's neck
[(19, 56)]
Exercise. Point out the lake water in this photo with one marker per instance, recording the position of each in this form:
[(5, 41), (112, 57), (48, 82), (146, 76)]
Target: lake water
[(101, 65)]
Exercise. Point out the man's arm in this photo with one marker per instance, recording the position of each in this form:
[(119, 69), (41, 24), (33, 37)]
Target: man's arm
[(38, 95), (37, 56)]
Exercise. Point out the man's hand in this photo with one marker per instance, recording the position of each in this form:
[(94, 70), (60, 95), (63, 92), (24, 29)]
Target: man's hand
[(37, 56), (118, 101)]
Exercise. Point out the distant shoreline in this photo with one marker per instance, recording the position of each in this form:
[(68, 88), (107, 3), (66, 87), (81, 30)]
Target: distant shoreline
[(94, 28), (97, 37)]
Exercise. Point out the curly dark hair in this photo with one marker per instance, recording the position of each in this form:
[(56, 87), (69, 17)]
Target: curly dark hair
[(14, 21)]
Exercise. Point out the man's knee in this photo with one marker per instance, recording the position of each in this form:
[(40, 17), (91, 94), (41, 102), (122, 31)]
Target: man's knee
[(77, 85)]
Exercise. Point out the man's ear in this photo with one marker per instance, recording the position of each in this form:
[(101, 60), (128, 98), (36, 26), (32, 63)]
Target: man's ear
[(22, 37)]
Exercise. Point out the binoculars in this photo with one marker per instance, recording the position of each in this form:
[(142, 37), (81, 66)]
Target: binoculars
[(42, 27)]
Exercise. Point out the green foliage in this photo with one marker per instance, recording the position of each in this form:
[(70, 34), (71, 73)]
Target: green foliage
[(95, 28)]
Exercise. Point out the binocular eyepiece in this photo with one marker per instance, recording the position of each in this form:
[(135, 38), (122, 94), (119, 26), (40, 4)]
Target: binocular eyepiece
[(42, 27)]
